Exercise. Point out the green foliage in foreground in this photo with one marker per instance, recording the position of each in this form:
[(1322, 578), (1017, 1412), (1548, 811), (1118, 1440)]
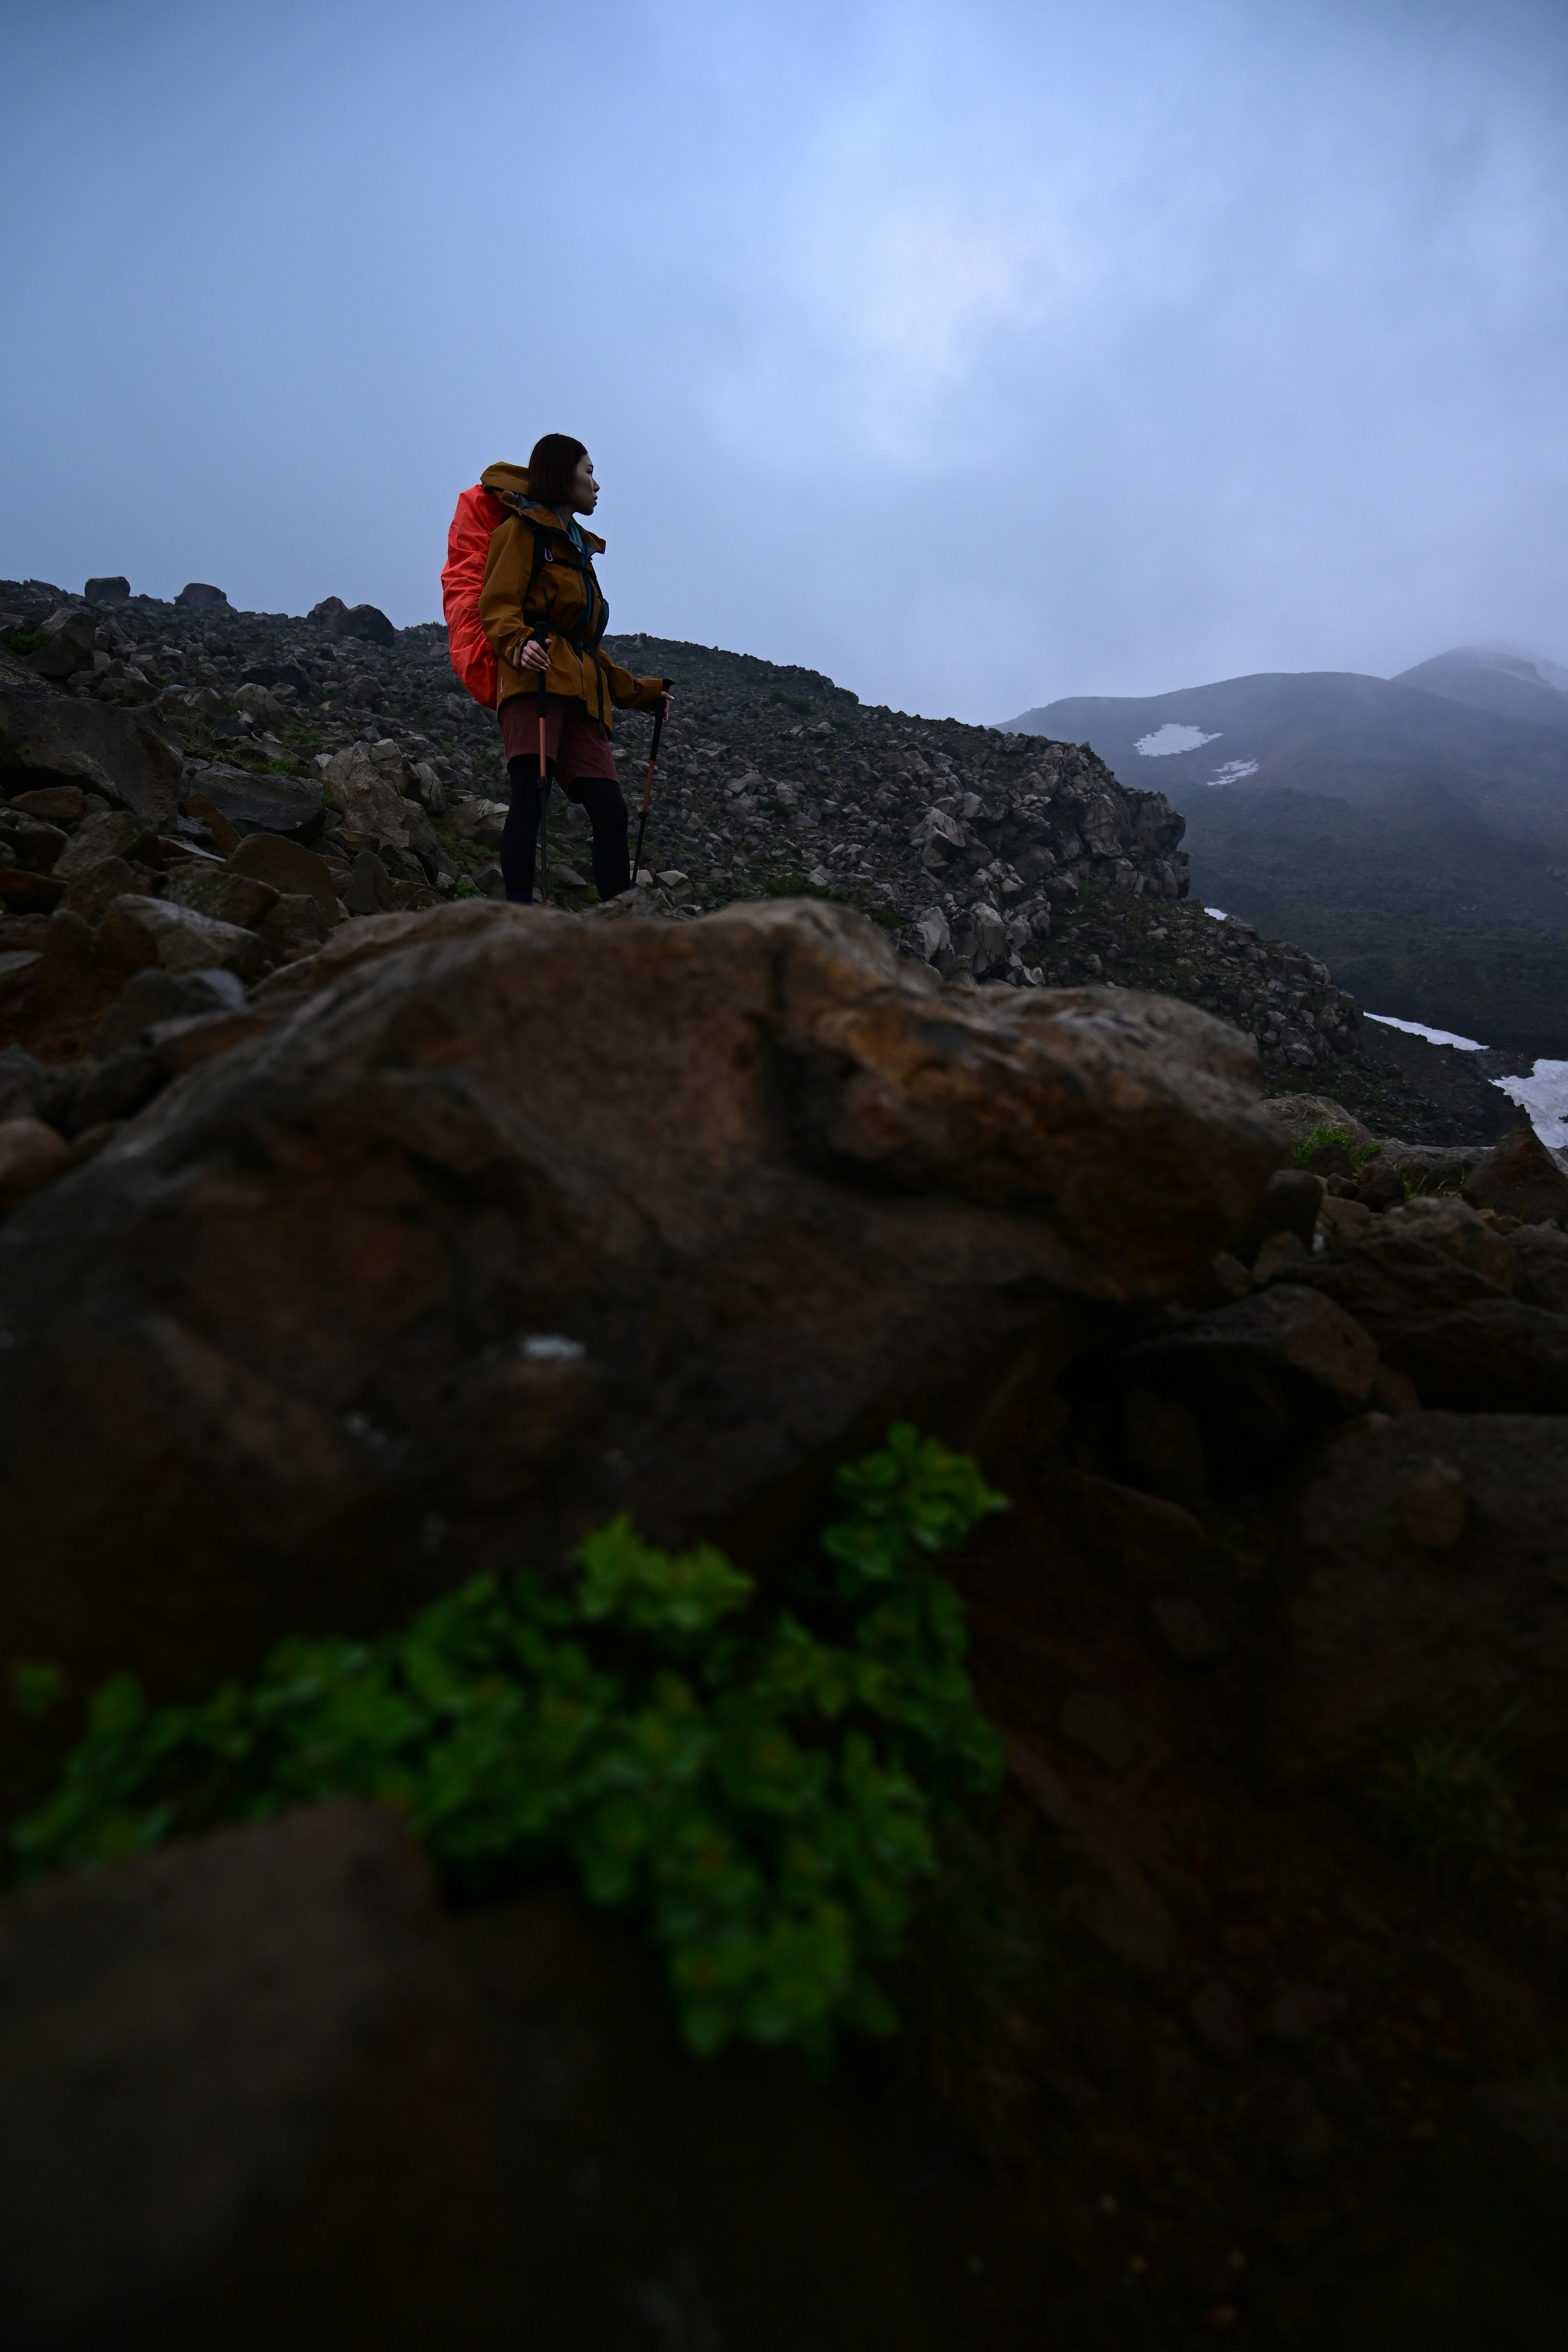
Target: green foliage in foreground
[(1359, 1152), (759, 1795)]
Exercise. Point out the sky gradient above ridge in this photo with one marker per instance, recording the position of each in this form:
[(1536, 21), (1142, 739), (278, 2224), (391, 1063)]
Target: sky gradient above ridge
[(976, 356)]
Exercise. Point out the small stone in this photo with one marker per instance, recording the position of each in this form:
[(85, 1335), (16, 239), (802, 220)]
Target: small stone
[(30, 1153)]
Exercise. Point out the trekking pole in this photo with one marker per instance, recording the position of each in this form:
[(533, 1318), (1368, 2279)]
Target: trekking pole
[(647, 788), (544, 800)]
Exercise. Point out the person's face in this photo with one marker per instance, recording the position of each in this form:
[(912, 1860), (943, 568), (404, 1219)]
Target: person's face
[(585, 488)]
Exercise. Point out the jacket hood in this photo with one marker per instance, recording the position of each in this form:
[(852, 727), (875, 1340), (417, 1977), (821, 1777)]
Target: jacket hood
[(511, 483), (506, 480)]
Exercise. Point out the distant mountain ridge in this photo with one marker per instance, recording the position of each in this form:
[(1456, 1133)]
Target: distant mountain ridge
[(1330, 804)]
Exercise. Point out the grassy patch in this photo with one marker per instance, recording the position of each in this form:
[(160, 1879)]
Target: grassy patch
[(1358, 1153), (25, 641), (1452, 1804)]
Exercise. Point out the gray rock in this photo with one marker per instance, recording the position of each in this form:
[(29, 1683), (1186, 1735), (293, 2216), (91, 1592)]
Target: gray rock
[(228, 896), (152, 995), (137, 931), (91, 895), (116, 1089), (49, 739), (113, 589), (109, 833), (289, 867), (69, 637), (362, 620), (199, 596), (292, 806), (295, 926)]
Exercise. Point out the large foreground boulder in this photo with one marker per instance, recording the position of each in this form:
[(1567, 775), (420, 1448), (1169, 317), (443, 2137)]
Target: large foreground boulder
[(546, 1219), (256, 2092), (238, 2101)]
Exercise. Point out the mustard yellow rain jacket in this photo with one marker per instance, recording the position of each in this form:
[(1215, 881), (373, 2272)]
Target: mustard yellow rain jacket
[(535, 580)]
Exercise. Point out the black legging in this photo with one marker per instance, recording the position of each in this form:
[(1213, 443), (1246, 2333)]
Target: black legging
[(519, 839)]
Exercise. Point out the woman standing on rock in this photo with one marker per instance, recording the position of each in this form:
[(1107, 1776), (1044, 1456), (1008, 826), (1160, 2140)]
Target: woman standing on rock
[(543, 610)]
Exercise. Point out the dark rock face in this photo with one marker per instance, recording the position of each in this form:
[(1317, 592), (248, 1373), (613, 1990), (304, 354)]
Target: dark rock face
[(474, 1318), (112, 589), (1426, 1584), (200, 596), (255, 2091), (237, 2101)]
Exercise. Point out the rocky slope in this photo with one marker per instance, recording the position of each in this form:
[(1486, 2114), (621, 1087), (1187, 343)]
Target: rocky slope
[(989, 855), (359, 1234)]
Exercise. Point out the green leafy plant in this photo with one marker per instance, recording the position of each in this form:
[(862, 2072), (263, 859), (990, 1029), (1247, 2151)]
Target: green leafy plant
[(1452, 1803), (1359, 1153), (760, 1794), (25, 641)]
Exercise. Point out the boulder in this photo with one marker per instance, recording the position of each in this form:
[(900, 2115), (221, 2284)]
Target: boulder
[(137, 931), (1425, 1590), (371, 802), (153, 996), (61, 804), (1296, 1116), (255, 2090), (252, 803), (69, 637), (109, 833), (30, 1153), (289, 868), (237, 2098), (228, 897), (49, 739), (112, 589), (91, 895), (362, 620), (1262, 1373), (736, 1172), (199, 596), (1520, 1177)]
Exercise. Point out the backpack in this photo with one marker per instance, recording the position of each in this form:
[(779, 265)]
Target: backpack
[(479, 513)]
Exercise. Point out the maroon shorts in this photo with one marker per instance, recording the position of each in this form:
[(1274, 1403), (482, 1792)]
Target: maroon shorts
[(576, 744)]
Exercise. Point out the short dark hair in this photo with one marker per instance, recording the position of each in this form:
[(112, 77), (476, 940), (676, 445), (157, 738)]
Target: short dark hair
[(552, 463)]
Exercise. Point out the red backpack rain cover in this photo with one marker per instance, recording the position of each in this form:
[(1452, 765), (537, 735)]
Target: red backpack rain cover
[(468, 550)]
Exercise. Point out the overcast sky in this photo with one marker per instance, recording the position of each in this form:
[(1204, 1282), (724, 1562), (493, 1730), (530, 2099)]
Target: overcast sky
[(975, 353)]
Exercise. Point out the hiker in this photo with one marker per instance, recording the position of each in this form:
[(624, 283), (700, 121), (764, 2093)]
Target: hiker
[(542, 610)]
